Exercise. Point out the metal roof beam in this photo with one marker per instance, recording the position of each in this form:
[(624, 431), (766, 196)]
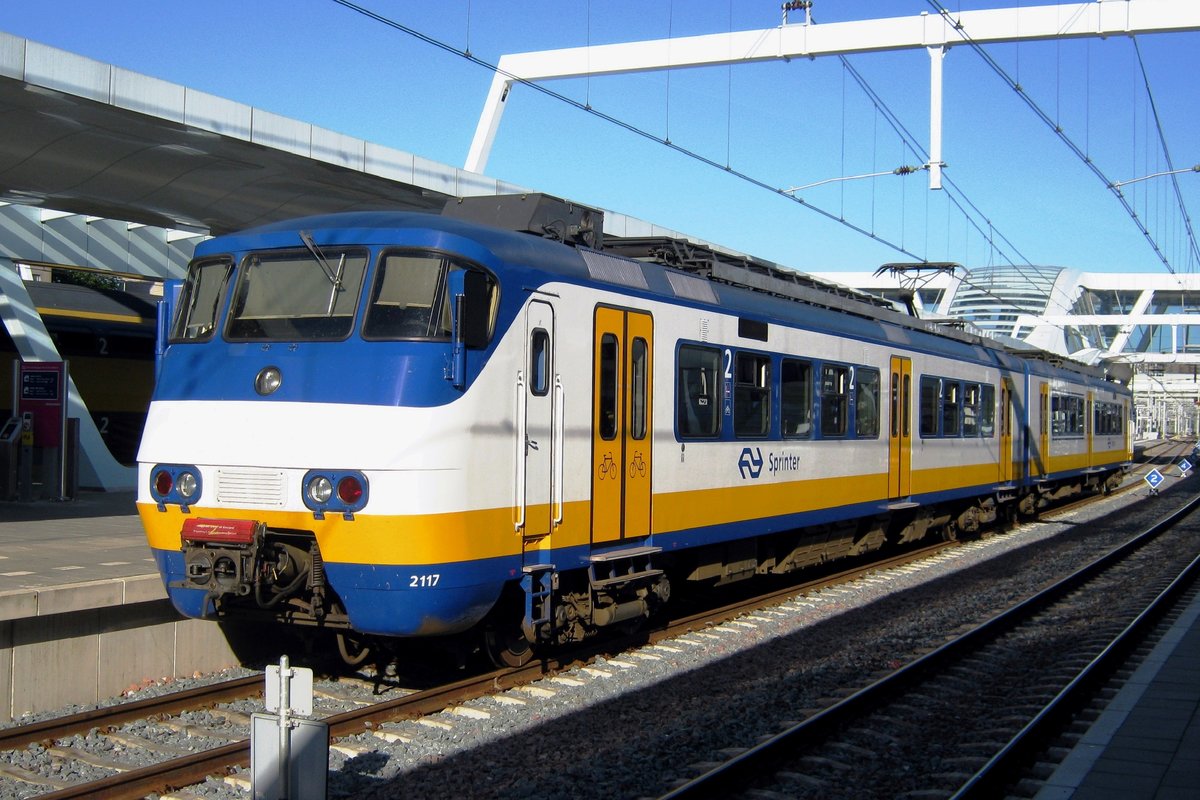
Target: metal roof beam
[(933, 32)]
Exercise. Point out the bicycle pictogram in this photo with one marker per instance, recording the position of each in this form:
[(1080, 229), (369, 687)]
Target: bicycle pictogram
[(637, 467), (607, 467)]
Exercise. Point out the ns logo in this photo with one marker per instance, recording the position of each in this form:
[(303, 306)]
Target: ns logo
[(750, 463)]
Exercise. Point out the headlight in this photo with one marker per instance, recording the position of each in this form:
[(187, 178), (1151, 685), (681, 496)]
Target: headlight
[(268, 380), (187, 485), (320, 489)]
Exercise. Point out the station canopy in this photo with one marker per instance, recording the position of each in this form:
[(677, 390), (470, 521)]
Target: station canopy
[(80, 136)]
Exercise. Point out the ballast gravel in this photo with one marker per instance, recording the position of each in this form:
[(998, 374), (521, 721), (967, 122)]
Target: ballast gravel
[(634, 725)]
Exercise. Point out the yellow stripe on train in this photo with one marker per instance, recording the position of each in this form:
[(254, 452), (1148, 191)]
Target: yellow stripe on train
[(491, 533)]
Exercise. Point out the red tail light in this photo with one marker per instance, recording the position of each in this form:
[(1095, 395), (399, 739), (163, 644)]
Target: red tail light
[(349, 490)]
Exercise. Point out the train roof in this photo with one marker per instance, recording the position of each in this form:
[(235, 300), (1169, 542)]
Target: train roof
[(357, 227), (688, 271)]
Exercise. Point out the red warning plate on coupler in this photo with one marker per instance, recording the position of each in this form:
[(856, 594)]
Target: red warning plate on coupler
[(228, 531)]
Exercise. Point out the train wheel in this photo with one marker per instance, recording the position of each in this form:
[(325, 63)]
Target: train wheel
[(507, 647)]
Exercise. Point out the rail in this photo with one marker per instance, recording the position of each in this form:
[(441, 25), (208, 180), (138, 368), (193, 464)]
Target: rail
[(737, 773)]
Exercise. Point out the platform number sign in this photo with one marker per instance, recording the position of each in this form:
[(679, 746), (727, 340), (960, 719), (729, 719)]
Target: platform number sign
[(1185, 467), (1155, 479)]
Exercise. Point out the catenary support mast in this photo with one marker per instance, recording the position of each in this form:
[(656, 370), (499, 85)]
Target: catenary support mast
[(936, 33)]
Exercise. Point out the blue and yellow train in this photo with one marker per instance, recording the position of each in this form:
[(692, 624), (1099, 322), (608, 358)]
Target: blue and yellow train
[(408, 425)]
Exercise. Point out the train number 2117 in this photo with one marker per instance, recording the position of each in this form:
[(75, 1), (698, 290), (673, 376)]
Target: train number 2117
[(423, 581)]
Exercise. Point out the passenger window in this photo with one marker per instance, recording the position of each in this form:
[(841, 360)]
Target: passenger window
[(1043, 428), (866, 403), (970, 425), (697, 393), (795, 398), (929, 405), (835, 397), (609, 352), (950, 407), (1077, 416), (895, 405), (1068, 415), (987, 411), (752, 395), (539, 363), (638, 384), (1108, 419)]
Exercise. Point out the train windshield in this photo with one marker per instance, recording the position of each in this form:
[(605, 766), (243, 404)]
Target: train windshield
[(293, 295), (200, 301)]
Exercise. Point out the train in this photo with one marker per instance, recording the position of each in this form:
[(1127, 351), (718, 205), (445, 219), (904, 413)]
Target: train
[(492, 425)]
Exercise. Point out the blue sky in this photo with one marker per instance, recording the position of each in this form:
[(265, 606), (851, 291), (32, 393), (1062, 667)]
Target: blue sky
[(784, 124)]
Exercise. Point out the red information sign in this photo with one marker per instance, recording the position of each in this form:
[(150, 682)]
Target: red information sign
[(42, 393)]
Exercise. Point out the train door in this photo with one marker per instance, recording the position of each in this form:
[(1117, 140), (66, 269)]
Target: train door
[(1044, 430), (538, 389), (621, 404), (1089, 428), (1128, 423), (1006, 431), (900, 432)]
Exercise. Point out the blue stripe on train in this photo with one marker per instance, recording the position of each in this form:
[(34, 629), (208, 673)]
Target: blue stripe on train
[(420, 600), (385, 600)]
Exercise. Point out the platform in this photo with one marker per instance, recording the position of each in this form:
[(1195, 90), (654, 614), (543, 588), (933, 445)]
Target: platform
[(40, 544), (83, 612), (1146, 744)]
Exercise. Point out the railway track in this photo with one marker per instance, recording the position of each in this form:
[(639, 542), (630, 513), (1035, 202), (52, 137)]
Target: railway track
[(190, 768), (190, 730), (185, 769), (1007, 687)]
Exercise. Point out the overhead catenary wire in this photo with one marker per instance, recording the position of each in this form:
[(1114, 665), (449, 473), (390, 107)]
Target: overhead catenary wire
[(587, 108), (1058, 131), (913, 143), (627, 126), (1166, 154), (990, 236)]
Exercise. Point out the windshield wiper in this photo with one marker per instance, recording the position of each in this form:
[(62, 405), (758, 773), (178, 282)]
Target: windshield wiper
[(306, 237), (335, 278)]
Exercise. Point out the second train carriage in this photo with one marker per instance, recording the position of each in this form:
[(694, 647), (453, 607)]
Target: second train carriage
[(411, 425)]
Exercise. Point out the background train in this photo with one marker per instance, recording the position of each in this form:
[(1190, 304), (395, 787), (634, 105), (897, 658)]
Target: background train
[(410, 425), (107, 333)]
